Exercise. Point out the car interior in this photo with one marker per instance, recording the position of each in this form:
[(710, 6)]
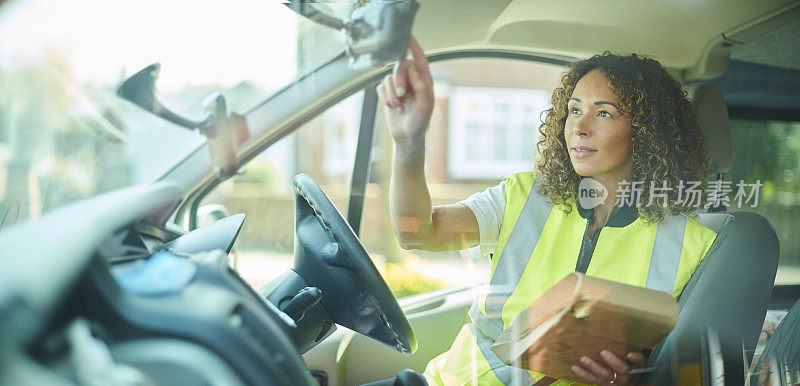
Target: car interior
[(159, 282)]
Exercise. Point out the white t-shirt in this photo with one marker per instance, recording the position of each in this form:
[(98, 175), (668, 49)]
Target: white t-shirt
[(489, 207)]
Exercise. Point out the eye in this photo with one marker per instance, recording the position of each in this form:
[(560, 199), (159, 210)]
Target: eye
[(604, 114), (574, 110)]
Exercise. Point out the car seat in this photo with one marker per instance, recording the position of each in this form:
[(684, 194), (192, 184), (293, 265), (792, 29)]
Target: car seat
[(724, 303)]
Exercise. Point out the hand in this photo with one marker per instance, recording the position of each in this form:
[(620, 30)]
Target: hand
[(407, 96), (604, 374)]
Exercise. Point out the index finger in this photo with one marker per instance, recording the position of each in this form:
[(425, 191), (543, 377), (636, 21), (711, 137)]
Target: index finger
[(401, 77), (619, 365), (420, 61)]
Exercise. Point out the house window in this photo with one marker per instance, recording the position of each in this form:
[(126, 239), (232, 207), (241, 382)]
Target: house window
[(492, 131), (339, 132)]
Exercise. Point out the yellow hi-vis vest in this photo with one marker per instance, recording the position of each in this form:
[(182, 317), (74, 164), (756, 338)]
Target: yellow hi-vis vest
[(538, 245)]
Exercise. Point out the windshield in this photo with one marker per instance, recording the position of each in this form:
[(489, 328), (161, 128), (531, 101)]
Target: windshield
[(65, 135)]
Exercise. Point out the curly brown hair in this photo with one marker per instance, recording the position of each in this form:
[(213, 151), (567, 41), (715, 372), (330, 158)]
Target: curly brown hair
[(668, 141)]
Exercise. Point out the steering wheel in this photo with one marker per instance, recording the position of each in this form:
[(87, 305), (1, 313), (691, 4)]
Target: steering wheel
[(329, 256)]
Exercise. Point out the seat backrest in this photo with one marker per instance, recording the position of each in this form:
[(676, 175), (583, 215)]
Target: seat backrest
[(729, 291)]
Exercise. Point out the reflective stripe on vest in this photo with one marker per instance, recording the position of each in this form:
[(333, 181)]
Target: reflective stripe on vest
[(659, 257), (506, 374), (508, 272), (520, 245), (663, 264), (516, 255)]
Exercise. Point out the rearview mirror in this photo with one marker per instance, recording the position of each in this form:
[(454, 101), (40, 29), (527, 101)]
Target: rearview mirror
[(377, 33)]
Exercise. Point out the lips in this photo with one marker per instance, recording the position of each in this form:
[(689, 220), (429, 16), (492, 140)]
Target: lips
[(582, 151)]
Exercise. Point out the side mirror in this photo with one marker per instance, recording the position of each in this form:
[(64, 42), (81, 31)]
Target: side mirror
[(211, 213)]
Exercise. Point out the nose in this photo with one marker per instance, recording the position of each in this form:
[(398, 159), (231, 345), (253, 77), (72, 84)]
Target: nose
[(582, 127)]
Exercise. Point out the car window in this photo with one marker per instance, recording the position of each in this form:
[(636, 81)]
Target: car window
[(499, 100), (766, 153), (484, 127), (323, 148)]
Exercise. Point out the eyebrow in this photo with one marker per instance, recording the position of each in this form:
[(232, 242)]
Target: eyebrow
[(597, 103)]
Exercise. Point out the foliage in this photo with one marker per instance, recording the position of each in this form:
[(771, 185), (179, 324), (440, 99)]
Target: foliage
[(766, 151), (411, 277), (260, 173)]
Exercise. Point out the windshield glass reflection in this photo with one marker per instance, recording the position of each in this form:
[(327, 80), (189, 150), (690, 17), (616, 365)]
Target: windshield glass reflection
[(65, 135)]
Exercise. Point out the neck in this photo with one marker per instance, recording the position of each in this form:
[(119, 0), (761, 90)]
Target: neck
[(610, 181)]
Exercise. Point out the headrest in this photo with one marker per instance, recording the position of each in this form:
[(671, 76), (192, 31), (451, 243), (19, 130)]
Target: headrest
[(709, 105)]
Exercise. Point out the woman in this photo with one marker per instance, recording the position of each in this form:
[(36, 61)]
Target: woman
[(615, 119)]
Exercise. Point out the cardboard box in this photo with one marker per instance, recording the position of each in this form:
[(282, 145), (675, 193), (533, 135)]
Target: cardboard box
[(580, 316)]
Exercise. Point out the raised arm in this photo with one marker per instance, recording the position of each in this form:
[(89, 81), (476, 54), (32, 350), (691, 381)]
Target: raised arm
[(407, 97)]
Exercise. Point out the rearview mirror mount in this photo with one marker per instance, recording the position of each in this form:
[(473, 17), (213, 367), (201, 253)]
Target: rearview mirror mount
[(377, 33), (224, 131)]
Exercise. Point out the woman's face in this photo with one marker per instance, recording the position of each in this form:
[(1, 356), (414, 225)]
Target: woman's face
[(598, 137)]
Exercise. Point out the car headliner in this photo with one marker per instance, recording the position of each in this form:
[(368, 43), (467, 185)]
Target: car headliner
[(692, 35)]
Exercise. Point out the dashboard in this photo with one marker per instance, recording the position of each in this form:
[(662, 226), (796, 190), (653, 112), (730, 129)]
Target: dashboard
[(78, 302)]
